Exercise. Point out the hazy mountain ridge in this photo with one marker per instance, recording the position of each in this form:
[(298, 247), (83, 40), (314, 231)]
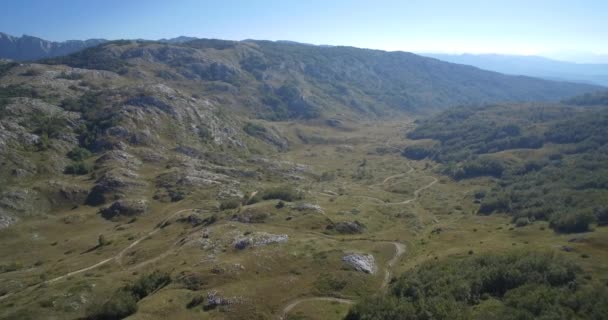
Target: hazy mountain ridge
[(533, 66), (26, 47), (326, 78)]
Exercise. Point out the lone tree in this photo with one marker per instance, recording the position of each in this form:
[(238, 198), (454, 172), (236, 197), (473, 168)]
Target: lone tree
[(101, 241)]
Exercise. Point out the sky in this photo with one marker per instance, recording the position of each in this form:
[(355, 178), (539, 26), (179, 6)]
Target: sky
[(574, 29)]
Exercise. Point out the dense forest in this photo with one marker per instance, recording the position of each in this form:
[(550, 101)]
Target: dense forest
[(518, 285), (547, 162)]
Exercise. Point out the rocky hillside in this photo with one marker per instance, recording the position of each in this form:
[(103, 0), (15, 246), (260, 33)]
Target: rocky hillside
[(279, 80), (147, 120)]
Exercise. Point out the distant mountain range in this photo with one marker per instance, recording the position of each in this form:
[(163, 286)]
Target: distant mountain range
[(533, 66), (27, 48), (32, 48)]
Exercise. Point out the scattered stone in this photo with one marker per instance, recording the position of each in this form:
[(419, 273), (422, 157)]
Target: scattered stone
[(242, 243), (250, 216), (125, 208), (347, 227), (335, 123), (214, 300), (437, 230), (567, 249), (308, 207), (361, 262), (259, 239)]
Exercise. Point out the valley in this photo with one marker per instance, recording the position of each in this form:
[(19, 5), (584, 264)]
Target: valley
[(303, 277), (268, 180)]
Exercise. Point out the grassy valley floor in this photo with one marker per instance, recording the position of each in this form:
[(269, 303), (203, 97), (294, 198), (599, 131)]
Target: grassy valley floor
[(407, 212)]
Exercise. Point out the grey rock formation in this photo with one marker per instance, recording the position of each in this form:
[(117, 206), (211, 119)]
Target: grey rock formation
[(259, 239), (347, 227), (127, 208), (361, 262)]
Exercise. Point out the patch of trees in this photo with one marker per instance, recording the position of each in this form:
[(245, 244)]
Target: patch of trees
[(5, 67), (124, 301), (418, 152), (563, 187), (522, 285), (14, 91), (95, 58), (98, 115), (599, 98)]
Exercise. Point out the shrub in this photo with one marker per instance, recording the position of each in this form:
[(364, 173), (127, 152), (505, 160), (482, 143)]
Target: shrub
[(418, 152), (480, 194), (569, 222), (230, 204), (495, 203), (288, 194), (70, 76), (148, 284), (193, 281), (121, 305), (601, 216), (32, 72), (9, 267), (522, 222), (79, 154), (196, 301), (78, 168), (254, 129)]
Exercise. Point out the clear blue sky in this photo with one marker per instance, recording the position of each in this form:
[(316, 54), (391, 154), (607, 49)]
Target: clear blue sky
[(509, 26)]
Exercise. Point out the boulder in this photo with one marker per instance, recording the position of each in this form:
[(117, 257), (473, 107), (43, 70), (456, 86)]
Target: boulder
[(117, 181), (361, 262), (308, 207), (128, 208), (347, 227), (259, 239)]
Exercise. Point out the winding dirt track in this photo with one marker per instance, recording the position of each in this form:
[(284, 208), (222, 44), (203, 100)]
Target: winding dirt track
[(296, 302), (399, 251), (117, 257)]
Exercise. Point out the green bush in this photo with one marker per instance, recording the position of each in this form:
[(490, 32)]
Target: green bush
[(121, 305), (418, 152), (522, 221), (147, 284), (79, 154), (288, 194), (500, 203), (569, 222), (601, 216), (230, 204), (254, 129), (78, 168)]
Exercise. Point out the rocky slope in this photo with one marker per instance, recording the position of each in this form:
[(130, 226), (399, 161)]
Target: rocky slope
[(150, 120)]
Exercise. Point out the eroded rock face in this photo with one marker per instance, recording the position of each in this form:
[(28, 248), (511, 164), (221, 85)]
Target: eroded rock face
[(127, 208), (259, 239), (251, 216), (115, 182), (361, 262), (308, 207), (347, 227)]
